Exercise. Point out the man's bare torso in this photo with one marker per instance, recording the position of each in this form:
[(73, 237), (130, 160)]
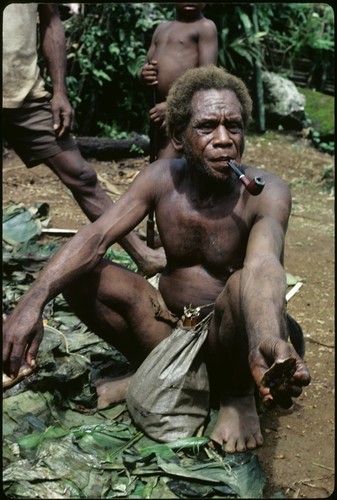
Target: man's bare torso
[(205, 240)]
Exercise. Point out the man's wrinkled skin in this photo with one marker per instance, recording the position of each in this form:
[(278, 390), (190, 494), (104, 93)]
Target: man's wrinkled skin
[(222, 245)]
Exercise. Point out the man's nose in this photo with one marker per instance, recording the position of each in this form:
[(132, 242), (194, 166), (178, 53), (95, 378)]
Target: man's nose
[(221, 136)]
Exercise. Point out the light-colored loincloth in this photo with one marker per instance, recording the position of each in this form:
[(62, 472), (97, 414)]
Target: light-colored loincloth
[(190, 318)]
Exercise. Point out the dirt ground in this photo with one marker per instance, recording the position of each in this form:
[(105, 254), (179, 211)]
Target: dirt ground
[(298, 454)]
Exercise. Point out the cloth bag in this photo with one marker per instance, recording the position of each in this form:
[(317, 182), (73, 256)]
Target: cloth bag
[(168, 396)]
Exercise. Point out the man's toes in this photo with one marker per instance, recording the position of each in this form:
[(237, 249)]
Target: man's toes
[(254, 441), (241, 445), (231, 446), (251, 443), (259, 439)]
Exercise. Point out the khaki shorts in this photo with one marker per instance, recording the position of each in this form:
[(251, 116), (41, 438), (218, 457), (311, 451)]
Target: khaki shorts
[(29, 131)]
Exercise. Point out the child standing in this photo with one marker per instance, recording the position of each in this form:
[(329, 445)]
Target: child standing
[(189, 41)]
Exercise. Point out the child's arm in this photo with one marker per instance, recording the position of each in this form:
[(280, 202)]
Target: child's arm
[(208, 43), (148, 73)]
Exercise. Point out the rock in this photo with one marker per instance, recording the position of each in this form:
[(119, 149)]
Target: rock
[(284, 104)]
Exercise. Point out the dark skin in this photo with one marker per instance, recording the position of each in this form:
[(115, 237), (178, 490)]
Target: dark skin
[(71, 168), (223, 246), (189, 41)]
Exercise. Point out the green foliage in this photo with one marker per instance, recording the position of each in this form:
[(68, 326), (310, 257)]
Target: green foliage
[(323, 144), (319, 109), (107, 44), (300, 33), (121, 258), (293, 27), (239, 39), (290, 28)]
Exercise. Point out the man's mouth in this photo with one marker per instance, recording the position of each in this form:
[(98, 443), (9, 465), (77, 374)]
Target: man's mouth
[(220, 166), (221, 161)]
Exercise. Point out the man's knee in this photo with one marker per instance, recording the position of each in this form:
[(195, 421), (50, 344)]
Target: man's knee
[(82, 175), (226, 320), (85, 287), (73, 170)]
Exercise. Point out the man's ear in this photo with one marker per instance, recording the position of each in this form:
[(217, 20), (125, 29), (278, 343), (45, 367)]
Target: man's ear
[(177, 142)]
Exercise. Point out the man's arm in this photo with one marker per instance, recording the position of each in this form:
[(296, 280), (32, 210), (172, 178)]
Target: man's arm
[(208, 43), (53, 47), (263, 289), (23, 329)]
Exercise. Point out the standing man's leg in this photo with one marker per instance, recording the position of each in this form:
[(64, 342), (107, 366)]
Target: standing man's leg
[(29, 131), (81, 179)]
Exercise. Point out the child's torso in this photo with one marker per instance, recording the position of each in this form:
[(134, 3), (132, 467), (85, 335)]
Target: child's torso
[(176, 50)]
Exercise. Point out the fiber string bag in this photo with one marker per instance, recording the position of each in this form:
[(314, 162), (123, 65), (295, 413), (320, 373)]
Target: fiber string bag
[(168, 396)]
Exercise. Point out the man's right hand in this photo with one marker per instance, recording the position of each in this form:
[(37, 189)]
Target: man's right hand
[(272, 351), (63, 114), (22, 335)]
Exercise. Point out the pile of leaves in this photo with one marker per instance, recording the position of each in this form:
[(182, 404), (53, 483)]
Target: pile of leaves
[(56, 444)]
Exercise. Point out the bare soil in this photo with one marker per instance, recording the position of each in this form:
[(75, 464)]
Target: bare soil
[(298, 454)]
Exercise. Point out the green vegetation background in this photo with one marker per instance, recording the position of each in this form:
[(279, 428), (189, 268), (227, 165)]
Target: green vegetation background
[(108, 42)]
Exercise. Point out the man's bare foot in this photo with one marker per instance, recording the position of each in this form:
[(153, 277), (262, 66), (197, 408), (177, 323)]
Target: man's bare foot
[(111, 390), (238, 425)]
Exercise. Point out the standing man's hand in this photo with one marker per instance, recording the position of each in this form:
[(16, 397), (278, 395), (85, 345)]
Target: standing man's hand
[(63, 114), (53, 47)]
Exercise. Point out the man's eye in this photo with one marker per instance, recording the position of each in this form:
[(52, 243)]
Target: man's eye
[(234, 127), (206, 126)]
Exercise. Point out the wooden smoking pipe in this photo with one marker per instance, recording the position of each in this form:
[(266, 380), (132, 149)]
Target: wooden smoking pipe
[(254, 186)]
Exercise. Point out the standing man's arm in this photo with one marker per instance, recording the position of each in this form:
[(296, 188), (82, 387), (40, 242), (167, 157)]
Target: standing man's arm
[(53, 46), (208, 43)]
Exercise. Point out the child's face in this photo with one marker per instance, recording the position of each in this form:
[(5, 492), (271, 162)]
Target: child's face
[(189, 8)]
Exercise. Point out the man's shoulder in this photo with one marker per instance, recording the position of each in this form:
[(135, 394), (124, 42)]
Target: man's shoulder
[(251, 170), (276, 185), (167, 170), (164, 166)]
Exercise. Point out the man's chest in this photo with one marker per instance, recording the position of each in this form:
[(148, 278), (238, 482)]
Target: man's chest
[(208, 236)]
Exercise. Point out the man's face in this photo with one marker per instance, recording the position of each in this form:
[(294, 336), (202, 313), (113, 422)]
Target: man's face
[(215, 133)]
